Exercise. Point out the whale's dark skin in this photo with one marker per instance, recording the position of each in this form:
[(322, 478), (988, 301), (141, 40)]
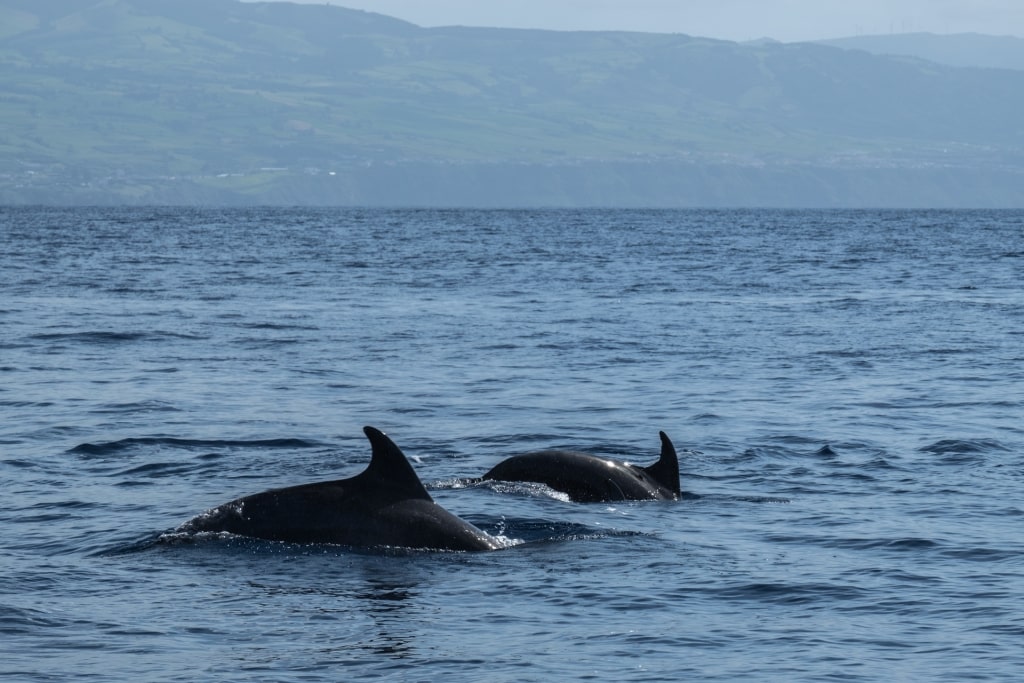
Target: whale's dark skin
[(384, 506), (589, 478)]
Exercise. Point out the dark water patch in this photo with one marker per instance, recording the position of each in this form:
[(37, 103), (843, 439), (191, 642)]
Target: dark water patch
[(18, 621), (260, 344), (157, 469), (135, 483), (499, 347), (729, 498), (21, 463), (793, 593), (209, 457), (881, 463), (894, 574), (108, 337), (136, 407), (860, 477), (791, 448), (415, 410), (526, 440), (130, 547), (947, 352), (844, 353), (1004, 629), (276, 326), (964, 447), (113, 447), (976, 554), (898, 544), (26, 404), (68, 505)]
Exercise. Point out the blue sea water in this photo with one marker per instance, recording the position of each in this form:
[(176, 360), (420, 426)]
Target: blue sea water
[(845, 389)]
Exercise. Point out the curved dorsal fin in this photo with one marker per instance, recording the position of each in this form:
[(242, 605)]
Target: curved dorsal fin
[(666, 470), (389, 466)]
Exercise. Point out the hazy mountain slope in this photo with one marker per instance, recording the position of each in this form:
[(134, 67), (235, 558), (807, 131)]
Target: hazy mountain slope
[(209, 100), (961, 49)]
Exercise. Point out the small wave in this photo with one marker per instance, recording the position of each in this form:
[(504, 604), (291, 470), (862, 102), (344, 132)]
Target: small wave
[(130, 547), (948, 352), (276, 326), (107, 337), (111, 447), (797, 593), (136, 407), (499, 347), (899, 544), (519, 440), (963, 446), (893, 574), (758, 500), (26, 404), (157, 469), (843, 353), (880, 463), (19, 620), (974, 554), (907, 544)]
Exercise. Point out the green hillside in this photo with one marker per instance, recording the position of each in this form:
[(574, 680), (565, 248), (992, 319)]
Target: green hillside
[(222, 101)]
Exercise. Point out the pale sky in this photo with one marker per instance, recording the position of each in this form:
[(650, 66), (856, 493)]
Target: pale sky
[(785, 20)]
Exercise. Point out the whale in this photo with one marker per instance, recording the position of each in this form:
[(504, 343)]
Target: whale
[(386, 505), (587, 478)]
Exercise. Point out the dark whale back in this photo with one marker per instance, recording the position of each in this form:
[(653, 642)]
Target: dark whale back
[(589, 478), (385, 505)]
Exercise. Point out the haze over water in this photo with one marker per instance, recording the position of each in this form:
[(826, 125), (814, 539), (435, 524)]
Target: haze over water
[(844, 389)]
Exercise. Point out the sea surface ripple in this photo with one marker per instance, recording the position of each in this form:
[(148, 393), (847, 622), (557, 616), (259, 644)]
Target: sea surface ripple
[(845, 389)]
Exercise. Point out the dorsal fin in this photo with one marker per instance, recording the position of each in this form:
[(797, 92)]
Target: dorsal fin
[(389, 466), (666, 470)]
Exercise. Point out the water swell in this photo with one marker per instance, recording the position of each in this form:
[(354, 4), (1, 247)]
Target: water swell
[(113, 447), (793, 593), (963, 447), (16, 621), (105, 337), (879, 396)]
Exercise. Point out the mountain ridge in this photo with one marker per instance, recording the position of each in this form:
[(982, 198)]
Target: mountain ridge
[(220, 101), (957, 49)]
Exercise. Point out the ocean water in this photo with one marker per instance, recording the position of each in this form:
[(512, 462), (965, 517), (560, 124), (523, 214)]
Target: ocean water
[(845, 389)]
